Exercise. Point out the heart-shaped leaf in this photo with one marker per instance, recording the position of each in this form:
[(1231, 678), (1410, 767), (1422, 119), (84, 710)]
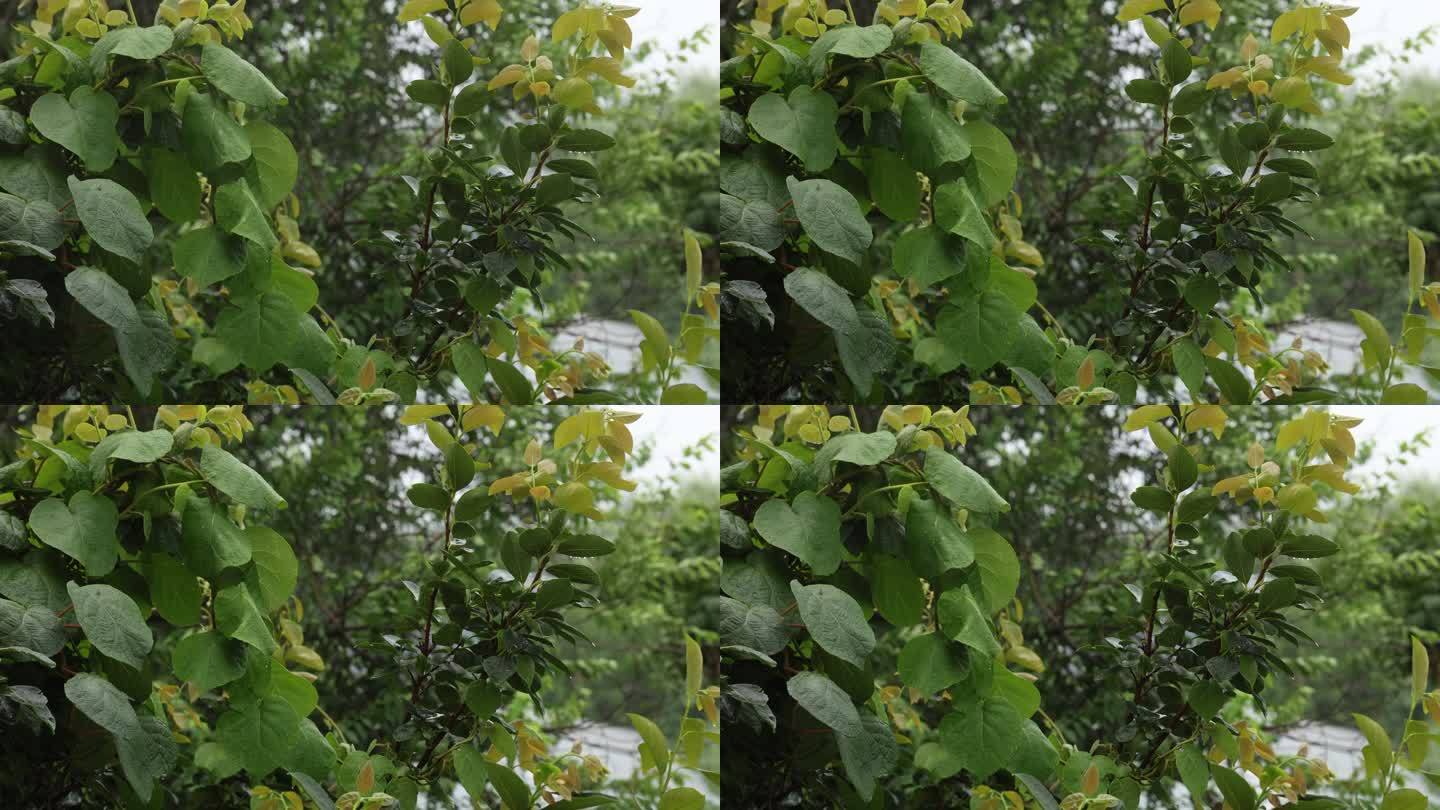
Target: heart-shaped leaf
[(85, 530)]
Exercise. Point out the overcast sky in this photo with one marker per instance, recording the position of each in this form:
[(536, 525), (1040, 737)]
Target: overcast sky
[(667, 22), (1388, 23), (673, 429), (1390, 427)]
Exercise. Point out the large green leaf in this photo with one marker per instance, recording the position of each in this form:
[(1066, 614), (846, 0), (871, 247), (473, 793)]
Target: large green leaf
[(238, 211), (238, 616), (36, 174), (103, 297), (209, 255), (112, 622), (235, 478), (963, 620), (978, 331), (928, 255), (868, 755), (146, 754), (831, 218), (956, 77), (867, 350), (173, 185), (208, 660), (84, 124), (894, 186), (275, 567), (84, 529), (1238, 793), (174, 590), (276, 165), (470, 768), (825, 300), (262, 331), (759, 627), (759, 579), (930, 663), (146, 348), (657, 750), (38, 578), (995, 161), (935, 542), (826, 701), (808, 528), (999, 568), (754, 222), (985, 735), (260, 734), (211, 137), (34, 221), (237, 78), (514, 795), (100, 700), (930, 136), (835, 621), (210, 543), (961, 486), (112, 217), (898, 592), (803, 125), (957, 211), (33, 627)]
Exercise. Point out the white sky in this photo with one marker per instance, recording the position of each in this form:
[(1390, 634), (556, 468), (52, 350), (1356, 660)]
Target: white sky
[(666, 22), (673, 429), (1388, 23), (1390, 426)]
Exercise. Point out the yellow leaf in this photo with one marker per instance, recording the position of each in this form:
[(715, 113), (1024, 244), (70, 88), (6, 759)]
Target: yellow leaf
[(486, 416), (1232, 484), (575, 497), (533, 453), (410, 12), (1145, 414), (1286, 24), (566, 25), (486, 11), (694, 668), (415, 414), (1255, 455), (692, 263), (510, 74), (1132, 9), (1201, 10)]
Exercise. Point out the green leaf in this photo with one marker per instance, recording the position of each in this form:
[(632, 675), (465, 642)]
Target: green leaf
[(1404, 799), (928, 256), (174, 589), (1153, 499), (1237, 791), (930, 663), (835, 621), (1147, 91), (261, 331), (898, 593), (1379, 748), (894, 185), (1233, 385), (958, 212), (1175, 58), (237, 78), (173, 185), (995, 162), (1182, 468), (36, 578), (208, 255), (33, 627), (978, 331), (210, 543), (984, 734), (756, 626), (238, 211), (684, 798), (211, 137), (34, 221), (514, 795), (754, 222), (459, 66), (208, 660), (84, 530), (1376, 344), (471, 366), (84, 124), (961, 486), (146, 347), (13, 130), (260, 734), (962, 620), (1194, 771), (826, 301), (1419, 670), (999, 568), (1206, 698), (100, 700), (112, 217), (112, 622), (142, 43), (934, 541), (930, 136), (826, 701), (276, 165), (235, 478), (103, 297), (276, 570), (37, 174), (832, 218), (684, 394), (859, 41), (586, 140), (808, 528), (867, 756), (956, 77), (239, 617), (513, 385), (1304, 140), (803, 126), (470, 768), (1404, 394), (1272, 187), (867, 350), (1190, 365)]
